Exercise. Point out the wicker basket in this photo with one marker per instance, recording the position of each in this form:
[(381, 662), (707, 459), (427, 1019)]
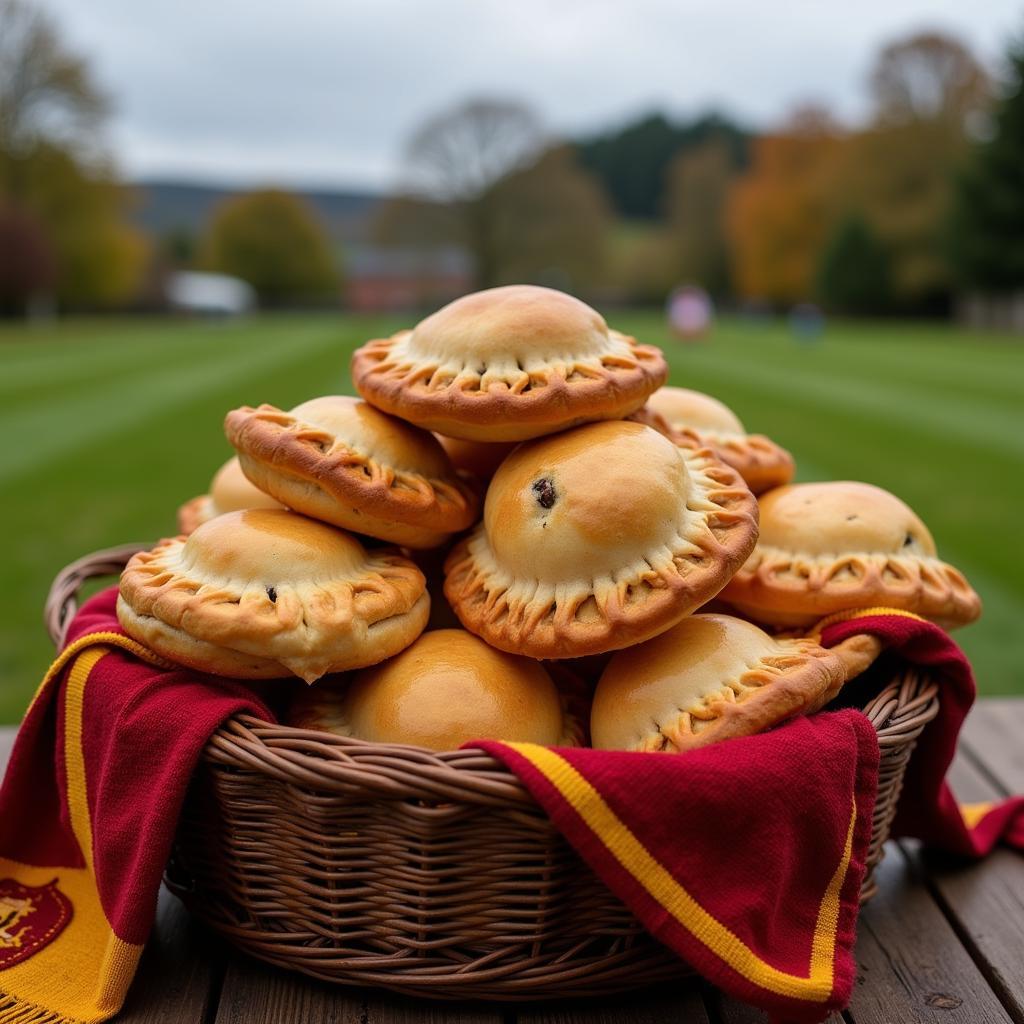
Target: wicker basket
[(433, 874)]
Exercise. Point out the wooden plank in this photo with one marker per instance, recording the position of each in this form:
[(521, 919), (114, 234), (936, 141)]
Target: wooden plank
[(730, 1011), (679, 1004), (911, 965), (993, 737), (984, 900), (254, 993), (179, 971)]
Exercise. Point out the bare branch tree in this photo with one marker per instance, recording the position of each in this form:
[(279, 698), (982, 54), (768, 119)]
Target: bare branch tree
[(458, 155), (46, 92), (486, 177), (928, 77)]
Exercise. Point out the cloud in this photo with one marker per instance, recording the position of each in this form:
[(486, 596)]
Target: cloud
[(319, 91)]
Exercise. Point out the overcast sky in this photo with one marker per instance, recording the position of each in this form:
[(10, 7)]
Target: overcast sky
[(324, 92)]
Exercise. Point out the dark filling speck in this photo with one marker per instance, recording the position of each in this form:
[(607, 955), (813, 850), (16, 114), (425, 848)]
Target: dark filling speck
[(272, 594), (545, 491)]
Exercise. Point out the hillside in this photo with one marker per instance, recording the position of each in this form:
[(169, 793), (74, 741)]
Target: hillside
[(165, 207)]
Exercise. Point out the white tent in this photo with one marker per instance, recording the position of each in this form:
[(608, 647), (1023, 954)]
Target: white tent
[(211, 294)]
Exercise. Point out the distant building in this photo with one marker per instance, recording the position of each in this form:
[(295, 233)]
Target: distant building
[(189, 291), (992, 312), (392, 278)]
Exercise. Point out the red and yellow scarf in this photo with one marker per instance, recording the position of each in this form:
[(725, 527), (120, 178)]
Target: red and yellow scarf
[(745, 858), (88, 810)]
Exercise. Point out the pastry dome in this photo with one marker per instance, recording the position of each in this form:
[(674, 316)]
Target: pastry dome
[(683, 407), (830, 547), (508, 364), (230, 491), (340, 460), (265, 593), (480, 459), (710, 678), (691, 417), (444, 690), (598, 538)]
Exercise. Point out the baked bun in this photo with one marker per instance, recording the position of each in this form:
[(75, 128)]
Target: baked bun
[(599, 538), (263, 593), (230, 491), (339, 460), (831, 547), (690, 417), (508, 364), (710, 678), (480, 459), (446, 689)]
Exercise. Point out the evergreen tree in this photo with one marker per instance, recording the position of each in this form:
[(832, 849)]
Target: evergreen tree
[(853, 276), (987, 226), (632, 162)]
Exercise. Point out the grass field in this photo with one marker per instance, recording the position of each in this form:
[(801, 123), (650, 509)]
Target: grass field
[(108, 425)]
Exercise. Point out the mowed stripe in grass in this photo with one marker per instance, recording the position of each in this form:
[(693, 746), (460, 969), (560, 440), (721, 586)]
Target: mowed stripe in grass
[(121, 421), (150, 439), (853, 412), (105, 407)]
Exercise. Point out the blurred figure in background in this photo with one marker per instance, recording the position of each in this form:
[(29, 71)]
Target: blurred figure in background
[(807, 322), (690, 312)]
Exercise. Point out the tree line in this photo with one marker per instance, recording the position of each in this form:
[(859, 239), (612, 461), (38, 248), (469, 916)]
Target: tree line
[(66, 236), (897, 215)]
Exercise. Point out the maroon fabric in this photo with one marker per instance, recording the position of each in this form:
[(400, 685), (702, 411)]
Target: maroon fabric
[(927, 809), (34, 824), (753, 828), (143, 731)]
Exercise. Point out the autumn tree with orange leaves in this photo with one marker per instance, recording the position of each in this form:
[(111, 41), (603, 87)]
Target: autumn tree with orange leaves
[(781, 211), (927, 92)]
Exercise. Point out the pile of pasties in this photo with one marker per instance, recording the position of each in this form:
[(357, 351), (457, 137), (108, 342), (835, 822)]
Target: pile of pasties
[(515, 534)]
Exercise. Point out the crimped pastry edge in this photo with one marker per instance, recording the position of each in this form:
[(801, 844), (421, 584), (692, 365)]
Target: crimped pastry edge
[(291, 460), (800, 679), (761, 462), (194, 513), (633, 608), (791, 588), (344, 624), (460, 404)]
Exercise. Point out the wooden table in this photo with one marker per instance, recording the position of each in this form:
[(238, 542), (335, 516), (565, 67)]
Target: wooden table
[(940, 942)]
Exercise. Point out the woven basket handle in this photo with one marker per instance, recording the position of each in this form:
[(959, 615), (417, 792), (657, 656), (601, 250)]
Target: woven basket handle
[(62, 602)]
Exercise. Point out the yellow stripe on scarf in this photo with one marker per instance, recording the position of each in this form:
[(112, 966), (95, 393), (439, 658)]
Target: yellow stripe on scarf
[(973, 813), (82, 976), (658, 882), (859, 613)]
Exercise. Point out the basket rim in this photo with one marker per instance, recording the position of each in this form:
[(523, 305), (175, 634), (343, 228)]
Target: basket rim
[(332, 763)]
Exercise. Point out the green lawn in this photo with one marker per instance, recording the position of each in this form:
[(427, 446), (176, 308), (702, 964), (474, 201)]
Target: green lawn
[(109, 425)]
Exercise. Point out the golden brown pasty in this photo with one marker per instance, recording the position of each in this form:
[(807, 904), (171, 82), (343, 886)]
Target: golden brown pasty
[(508, 364), (710, 678), (598, 538), (480, 459), (342, 461), (263, 593), (446, 689), (692, 417), (230, 491), (830, 547)]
